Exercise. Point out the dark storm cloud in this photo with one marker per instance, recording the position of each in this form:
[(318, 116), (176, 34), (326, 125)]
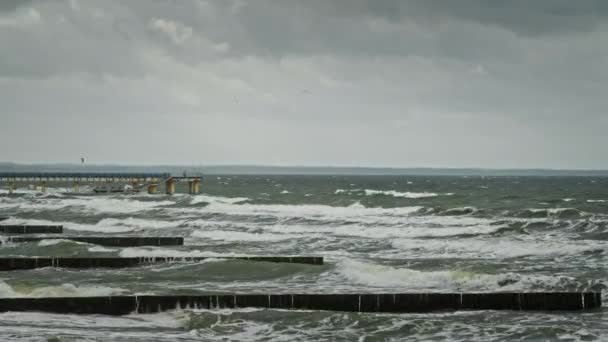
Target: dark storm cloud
[(359, 82)]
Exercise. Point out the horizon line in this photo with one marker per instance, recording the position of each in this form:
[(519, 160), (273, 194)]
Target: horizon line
[(479, 168)]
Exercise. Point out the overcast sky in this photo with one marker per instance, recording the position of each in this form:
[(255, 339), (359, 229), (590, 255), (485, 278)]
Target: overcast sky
[(467, 83)]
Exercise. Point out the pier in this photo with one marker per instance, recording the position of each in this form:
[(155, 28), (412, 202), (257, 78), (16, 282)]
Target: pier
[(385, 302), (136, 180)]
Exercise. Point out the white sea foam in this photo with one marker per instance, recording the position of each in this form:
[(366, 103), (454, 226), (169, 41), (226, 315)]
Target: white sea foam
[(140, 252), (373, 232), (568, 199), (402, 278), (371, 192), (202, 198), (393, 193), (99, 227), (138, 223), (285, 192), (107, 225), (320, 212), (493, 248), (52, 242), (63, 290), (224, 235), (90, 204), (597, 201), (100, 249)]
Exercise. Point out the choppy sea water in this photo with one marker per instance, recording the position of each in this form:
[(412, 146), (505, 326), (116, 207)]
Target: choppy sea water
[(377, 234)]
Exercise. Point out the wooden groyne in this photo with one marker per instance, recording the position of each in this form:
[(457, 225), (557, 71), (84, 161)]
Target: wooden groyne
[(11, 264), (388, 302), (109, 241), (31, 229)]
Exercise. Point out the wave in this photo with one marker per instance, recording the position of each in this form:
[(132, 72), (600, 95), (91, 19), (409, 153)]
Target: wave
[(494, 248), (100, 249), (103, 226), (354, 212), (564, 213), (237, 236), (138, 224), (459, 211), (53, 242), (393, 193), (141, 252), (401, 278), (91, 204), (596, 201), (107, 225), (63, 290), (203, 198)]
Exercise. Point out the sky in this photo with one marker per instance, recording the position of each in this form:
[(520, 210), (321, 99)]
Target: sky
[(388, 83)]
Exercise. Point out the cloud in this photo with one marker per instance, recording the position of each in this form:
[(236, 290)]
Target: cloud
[(178, 32), (399, 83)]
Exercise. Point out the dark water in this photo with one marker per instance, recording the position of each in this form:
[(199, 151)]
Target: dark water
[(378, 234)]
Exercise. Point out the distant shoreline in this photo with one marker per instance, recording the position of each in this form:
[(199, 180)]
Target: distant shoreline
[(300, 170)]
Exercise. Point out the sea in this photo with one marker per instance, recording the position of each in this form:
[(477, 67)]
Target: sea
[(398, 233)]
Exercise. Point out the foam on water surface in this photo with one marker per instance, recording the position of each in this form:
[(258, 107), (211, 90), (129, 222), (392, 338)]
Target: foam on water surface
[(377, 234)]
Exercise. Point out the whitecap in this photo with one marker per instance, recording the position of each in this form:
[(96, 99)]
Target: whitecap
[(63, 290), (202, 198), (224, 235), (402, 278), (393, 193), (493, 248)]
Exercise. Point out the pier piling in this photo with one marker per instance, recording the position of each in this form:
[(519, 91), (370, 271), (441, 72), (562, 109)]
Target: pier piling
[(193, 186), (152, 188), (170, 186)]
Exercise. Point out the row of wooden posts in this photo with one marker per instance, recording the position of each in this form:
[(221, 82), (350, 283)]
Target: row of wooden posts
[(362, 302)]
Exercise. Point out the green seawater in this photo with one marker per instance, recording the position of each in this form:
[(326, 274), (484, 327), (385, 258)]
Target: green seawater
[(377, 234)]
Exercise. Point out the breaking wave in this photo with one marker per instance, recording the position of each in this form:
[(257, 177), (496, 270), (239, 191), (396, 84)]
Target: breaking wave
[(392, 193)]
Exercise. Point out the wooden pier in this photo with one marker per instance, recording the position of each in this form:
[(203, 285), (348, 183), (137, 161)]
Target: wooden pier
[(136, 180)]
